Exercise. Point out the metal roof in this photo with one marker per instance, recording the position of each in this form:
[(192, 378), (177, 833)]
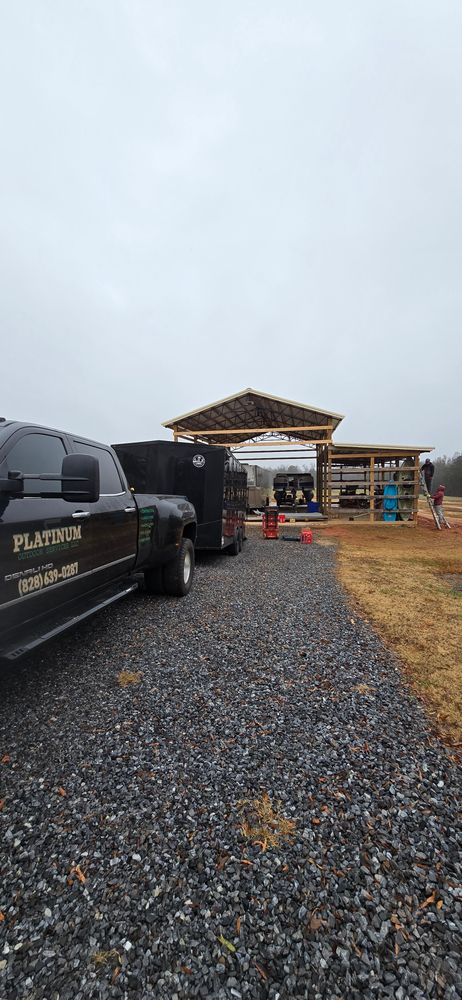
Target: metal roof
[(411, 449), (251, 413)]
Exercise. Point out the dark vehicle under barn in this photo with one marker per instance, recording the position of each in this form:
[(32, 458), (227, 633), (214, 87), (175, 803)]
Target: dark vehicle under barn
[(208, 475), (287, 486)]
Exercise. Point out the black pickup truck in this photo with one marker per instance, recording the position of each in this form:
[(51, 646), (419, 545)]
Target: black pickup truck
[(74, 537)]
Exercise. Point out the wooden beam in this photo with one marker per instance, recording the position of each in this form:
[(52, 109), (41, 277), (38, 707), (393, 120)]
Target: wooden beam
[(338, 483), (379, 455), (255, 457), (273, 451), (260, 430), (232, 445)]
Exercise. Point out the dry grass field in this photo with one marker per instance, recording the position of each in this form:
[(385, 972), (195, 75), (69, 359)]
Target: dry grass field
[(408, 582), (452, 509)]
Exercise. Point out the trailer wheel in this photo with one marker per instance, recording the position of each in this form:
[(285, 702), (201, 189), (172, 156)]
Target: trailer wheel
[(179, 573), (234, 549), (153, 580)]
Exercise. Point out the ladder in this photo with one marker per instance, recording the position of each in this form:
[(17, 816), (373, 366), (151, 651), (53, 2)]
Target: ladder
[(431, 504)]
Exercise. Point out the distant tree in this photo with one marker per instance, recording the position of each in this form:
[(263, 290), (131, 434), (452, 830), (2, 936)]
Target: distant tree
[(267, 476), (448, 471), (294, 469)]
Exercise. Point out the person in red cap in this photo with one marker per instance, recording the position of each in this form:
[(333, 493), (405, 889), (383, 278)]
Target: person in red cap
[(438, 498)]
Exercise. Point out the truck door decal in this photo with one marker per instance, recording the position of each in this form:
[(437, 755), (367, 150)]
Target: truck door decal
[(52, 540)]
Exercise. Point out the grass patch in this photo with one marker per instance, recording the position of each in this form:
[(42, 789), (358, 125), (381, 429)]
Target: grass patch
[(263, 824), (364, 689), (397, 578), (111, 957), (126, 677)]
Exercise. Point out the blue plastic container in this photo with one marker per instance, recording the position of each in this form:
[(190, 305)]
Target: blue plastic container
[(312, 507)]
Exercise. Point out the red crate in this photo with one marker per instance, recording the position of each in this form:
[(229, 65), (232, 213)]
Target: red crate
[(270, 523)]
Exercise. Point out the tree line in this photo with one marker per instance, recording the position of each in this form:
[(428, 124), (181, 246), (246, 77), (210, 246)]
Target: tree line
[(448, 471)]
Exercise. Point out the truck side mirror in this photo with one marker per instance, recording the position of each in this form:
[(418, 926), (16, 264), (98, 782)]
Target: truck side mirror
[(11, 483), (80, 479)]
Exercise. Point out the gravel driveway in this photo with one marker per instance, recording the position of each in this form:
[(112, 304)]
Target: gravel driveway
[(129, 862)]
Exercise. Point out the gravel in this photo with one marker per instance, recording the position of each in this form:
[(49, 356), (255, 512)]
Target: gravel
[(125, 869)]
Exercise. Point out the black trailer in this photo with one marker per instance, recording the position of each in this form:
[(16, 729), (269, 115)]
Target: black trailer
[(209, 476)]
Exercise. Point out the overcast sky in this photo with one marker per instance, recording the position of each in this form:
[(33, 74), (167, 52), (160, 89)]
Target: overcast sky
[(205, 195)]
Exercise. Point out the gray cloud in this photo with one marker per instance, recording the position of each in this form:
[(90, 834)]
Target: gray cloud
[(196, 197)]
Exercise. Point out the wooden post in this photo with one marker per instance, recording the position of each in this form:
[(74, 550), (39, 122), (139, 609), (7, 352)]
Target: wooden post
[(416, 488), (322, 479), (371, 489), (318, 460), (329, 481), (319, 479)]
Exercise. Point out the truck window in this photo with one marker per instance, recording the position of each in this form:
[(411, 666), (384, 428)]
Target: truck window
[(110, 483), (36, 454)]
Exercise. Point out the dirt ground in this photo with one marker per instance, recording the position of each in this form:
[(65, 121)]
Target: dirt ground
[(408, 582)]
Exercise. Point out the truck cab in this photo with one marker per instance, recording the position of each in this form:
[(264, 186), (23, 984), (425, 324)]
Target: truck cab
[(72, 533)]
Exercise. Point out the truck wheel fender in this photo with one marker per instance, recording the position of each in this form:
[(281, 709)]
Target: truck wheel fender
[(178, 574)]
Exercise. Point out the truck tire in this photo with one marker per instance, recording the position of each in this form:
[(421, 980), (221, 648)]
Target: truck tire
[(153, 581), (178, 574), (234, 548)]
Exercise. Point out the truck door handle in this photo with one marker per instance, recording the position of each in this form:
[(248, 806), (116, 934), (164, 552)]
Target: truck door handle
[(129, 510), (81, 513)]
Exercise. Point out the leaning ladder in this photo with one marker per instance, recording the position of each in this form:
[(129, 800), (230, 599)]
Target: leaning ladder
[(432, 505)]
